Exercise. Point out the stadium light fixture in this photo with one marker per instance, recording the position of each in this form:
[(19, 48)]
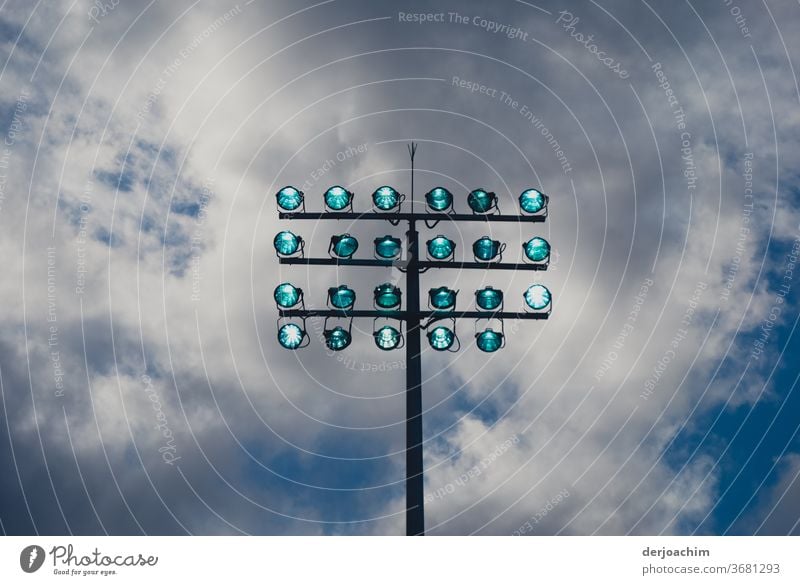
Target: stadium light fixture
[(341, 297), (292, 336), (441, 248), (289, 199), (482, 201), (343, 246), (537, 297), (387, 296), (489, 299), (337, 198), (442, 298), (439, 199), (288, 244), (388, 338), (489, 340), (536, 249), (532, 201), (287, 295), (486, 249), (388, 247), (442, 338), (387, 198), (338, 338)]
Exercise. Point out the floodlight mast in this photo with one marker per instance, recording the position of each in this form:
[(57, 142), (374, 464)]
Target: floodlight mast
[(412, 266)]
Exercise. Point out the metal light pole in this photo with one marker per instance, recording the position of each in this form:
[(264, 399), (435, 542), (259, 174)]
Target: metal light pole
[(415, 510), (413, 316)]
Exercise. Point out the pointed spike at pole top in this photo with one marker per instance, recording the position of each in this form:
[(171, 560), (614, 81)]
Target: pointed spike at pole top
[(412, 150)]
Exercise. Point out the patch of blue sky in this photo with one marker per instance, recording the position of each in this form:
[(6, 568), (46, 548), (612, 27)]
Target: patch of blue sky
[(112, 240), (11, 33), (122, 180), (70, 210), (746, 439), (189, 208), (337, 489)]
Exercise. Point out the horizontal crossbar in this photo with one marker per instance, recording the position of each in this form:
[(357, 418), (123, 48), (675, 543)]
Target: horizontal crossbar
[(481, 265), (402, 265), (340, 261), (354, 216), (404, 315)]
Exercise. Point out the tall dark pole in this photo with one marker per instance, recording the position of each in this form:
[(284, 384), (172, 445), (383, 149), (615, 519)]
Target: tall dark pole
[(415, 512)]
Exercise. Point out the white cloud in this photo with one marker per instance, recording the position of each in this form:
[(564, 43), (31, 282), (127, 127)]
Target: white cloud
[(217, 366)]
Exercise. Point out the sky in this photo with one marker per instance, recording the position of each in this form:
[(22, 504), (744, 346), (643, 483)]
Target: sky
[(144, 391)]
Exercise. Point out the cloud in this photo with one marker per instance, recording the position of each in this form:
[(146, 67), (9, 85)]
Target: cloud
[(151, 145)]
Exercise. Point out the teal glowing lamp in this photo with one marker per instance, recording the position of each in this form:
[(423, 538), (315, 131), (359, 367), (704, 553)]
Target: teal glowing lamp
[(341, 297), (338, 198), (337, 339), (486, 249), (532, 201), (343, 246), (439, 199), (287, 295), (481, 201), (536, 249), (537, 297), (387, 296), (441, 338), (489, 340), (386, 198), (289, 198), (287, 243), (387, 247), (387, 338), (291, 336), (489, 299), (442, 298), (441, 248)]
